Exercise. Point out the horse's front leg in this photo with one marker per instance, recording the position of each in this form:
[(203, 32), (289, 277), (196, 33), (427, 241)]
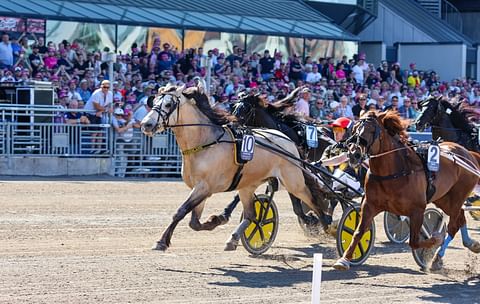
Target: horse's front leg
[(367, 213), (198, 194), (247, 198)]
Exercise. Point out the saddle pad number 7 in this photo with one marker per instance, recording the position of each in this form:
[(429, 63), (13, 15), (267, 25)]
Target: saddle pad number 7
[(248, 145), (311, 136), (433, 158)]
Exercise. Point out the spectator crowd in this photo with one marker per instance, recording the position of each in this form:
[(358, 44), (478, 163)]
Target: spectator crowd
[(334, 89)]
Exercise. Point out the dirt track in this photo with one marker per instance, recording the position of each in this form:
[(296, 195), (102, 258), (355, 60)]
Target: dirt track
[(89, 242)]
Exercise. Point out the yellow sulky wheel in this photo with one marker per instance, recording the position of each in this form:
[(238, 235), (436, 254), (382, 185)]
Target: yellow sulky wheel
[(474, 201), (346, 227), (260, 234)]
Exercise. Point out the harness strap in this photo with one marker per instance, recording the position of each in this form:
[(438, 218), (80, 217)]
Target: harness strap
[(388, 177), (236, 179), (203, 147)]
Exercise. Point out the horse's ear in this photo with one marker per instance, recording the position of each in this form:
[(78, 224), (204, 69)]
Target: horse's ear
[(180, 89)]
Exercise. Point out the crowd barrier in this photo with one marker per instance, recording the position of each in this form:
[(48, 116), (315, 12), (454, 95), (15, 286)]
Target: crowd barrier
[(24, 133), (33, 131)]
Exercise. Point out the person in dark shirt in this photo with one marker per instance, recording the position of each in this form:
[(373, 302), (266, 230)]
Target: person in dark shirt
[(65, 61), (295, 69), (35, 59), (384, 71), (266, 65), (81, 64), (164, 63), (360, 106)]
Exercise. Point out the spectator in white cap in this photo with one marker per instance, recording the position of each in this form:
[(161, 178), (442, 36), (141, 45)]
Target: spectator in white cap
[(302, 106), (98, 105), (123, 135)]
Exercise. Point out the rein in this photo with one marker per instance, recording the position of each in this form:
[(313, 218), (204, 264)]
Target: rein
[(378, 135), (387, 152)]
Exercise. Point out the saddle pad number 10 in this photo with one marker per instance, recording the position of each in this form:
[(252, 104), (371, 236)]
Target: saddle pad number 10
[(248, 145), (311, 136), (433, 158)]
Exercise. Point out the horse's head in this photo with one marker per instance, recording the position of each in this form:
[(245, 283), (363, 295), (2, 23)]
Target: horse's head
[(246, 107), (164, 111), (369, 131), (429, 107)]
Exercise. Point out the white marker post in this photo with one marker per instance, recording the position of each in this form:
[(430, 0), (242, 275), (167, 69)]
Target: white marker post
[(317, 277)]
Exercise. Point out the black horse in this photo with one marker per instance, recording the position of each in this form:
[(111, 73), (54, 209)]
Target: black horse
[(450, 121), (254, 111)]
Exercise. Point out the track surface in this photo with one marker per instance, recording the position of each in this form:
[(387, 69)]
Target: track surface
[(89, 242)]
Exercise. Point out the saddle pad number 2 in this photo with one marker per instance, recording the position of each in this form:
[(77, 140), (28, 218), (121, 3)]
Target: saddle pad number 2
[(433, 158), (311, 136), (248, 145)]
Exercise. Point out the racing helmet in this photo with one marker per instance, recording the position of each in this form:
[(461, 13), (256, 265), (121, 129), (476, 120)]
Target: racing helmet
[(343, 122)]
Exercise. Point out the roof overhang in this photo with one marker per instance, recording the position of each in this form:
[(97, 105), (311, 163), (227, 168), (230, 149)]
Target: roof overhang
[(163, 16)]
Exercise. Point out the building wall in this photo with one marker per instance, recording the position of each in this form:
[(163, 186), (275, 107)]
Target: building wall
[(448, 60), (376, 51), (391, 28), (471, 24)]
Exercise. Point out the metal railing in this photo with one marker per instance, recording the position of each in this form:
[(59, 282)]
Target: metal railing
[(22, 136), (451, 15)]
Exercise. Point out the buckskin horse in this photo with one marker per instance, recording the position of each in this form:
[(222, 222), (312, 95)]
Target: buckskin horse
[(253, 110), (208, 164), (397, 183)]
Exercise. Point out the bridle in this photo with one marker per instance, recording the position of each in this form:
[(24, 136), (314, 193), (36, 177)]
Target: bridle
[(165, 115), (361, 128)]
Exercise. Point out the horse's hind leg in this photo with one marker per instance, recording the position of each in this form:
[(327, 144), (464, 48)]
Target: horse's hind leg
[(457, 222), (367, 213), (198, 194), (212, 222), (246, 197)]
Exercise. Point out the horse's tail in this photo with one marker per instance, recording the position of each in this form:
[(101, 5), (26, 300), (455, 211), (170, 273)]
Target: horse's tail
[(318, 194)]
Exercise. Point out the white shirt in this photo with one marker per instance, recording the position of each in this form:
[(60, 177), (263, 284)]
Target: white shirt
[(74, 95), (99, 97), (358, 74), (301, 106), (313, 77)]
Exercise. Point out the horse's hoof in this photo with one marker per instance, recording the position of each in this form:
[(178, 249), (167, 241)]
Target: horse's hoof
[(474, 247), (342, 264), (161, 246), (332, 229), (230, 246), (437, 263)]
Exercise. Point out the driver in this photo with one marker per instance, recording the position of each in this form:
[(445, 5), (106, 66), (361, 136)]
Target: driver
[(336, 160)]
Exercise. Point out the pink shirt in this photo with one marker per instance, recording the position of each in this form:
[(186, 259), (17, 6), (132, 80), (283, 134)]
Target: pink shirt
[(340, 74), (50, 62)]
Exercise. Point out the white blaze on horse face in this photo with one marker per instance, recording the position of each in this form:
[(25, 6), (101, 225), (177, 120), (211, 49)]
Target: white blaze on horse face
[(149, 122)]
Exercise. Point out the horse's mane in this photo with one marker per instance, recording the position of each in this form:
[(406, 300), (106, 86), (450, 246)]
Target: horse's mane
[(217, 116), (393, 123), (462, 115)]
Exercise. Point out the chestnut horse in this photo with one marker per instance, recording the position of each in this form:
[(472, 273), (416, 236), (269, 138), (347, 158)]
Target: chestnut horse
[(208, 164), (397, 183)]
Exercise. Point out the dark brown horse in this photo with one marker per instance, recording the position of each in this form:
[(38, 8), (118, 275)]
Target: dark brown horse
[(397, 182)]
